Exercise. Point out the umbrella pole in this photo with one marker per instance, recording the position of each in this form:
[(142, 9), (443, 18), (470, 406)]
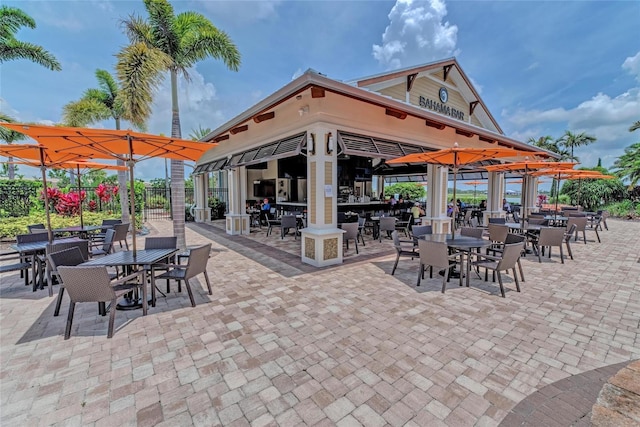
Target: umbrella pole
[(557, 194), (43, 169), (80, 197), (454, 214), (132, 195)]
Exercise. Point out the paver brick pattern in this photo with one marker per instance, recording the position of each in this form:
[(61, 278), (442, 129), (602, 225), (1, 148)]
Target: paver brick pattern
[(282, 343)]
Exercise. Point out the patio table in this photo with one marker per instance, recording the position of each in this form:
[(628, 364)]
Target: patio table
[(33, 250), (81, 231), (130, 260), (464, 244)]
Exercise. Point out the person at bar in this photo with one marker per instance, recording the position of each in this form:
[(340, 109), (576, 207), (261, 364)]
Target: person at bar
[(265, 209)]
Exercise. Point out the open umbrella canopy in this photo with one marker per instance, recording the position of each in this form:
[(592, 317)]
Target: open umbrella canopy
[(561, 174), (528, 166), (37, 154), (125, 145), (110, 143)]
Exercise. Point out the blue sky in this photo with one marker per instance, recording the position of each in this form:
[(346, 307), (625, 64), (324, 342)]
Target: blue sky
[(540, 67)]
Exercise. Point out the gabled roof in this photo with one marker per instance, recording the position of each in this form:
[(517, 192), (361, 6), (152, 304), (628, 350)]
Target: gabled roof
[(451, 70)]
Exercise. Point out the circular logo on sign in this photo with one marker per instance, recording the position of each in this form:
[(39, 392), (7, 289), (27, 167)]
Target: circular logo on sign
[(444, 95)]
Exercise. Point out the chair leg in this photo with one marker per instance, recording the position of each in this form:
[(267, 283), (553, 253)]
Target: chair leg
[(193, 302), (56, 312), (521, 270), (539, 256), (569, 249), (501, 285), (420, 273), (206, 279), (584, 236), (357, 246), (396, 265), (515, 277), (445, 279), (112, 318), (597, 235), (67, 331), (561, 255)]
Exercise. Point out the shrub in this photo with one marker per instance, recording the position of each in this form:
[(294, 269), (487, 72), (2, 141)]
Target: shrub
[(157, 202), (17, 197)]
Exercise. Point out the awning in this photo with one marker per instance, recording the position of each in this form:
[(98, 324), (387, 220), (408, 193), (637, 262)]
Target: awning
[(367, 146), (280, 149)]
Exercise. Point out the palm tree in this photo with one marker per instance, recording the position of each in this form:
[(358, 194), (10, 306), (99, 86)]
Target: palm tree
[(571, 140), (168, 42), (198, 134), (634, 126), (10, 136), (628, 165), (98, 104), (549, 144), (11, 19)]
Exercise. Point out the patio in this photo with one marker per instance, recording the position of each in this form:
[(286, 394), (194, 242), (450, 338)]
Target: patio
[(283, 343)]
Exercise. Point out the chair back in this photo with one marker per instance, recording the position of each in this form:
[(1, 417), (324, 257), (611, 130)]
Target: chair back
[(30, 238), (539, 221), (82, 245), (387, 223), (472, 232), (361, 222), (510, 254), (87, 284), (516, 217), (421, 230), (351, 230), (514, 238), (497, 220), (107, 245), (552, 236), (474, 222), (576, 214), (288, 221), (66, 257), (498, 232), (121, 231), (342, 217), (580, 222), (570, 232), (170, 242), (110, 222), (435, 254), (36, 228), (197, 262)]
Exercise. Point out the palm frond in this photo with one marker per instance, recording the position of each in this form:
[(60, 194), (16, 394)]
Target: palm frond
[(137, 30), (15, 49), (84, 112), (635, 126), (161, 20), (11, 19), (107, 83), (140, 71)]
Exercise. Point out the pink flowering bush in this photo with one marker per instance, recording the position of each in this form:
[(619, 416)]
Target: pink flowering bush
[(69, 204), (106, 192)]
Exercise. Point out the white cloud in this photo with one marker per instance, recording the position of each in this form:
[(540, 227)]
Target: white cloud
[(632, 65), (416, 34)]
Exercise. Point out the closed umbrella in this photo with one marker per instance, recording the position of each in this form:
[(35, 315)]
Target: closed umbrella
[(126, 145), (457, 156)]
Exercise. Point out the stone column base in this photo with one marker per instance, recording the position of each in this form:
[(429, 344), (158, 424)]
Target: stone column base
[(321, 247), (440, 224), (202, 214), (237, 223), (492, 214)]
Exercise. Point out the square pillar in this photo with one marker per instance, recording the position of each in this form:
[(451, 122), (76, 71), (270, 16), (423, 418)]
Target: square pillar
[(322, 239), (436, 212), (202, 212), (237, 220), (495, 193)]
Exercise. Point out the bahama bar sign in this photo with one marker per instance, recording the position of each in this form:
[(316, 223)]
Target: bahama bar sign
[(439, 107)]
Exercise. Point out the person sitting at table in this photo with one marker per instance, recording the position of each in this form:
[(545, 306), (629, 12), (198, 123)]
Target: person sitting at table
[(265, 209), (483, 205), (450, 208), (506, 206), (417, 211)]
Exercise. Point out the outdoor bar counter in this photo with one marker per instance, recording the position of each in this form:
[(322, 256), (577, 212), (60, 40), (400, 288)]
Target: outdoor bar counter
[(342, 206)]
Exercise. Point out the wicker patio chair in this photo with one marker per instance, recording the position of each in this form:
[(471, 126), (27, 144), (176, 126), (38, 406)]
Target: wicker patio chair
[(36, 228), (106, 246), (505, 261), (404, 248), (196, 264), (549, 237), (13, 261), (69, 257), (169, 242), (38, 267), (361, 228), (107, 224), (567, 238), (83, 247), (387, 225), (92, 284), (436, 254), (581, 226), (120, 235), (351, 233)]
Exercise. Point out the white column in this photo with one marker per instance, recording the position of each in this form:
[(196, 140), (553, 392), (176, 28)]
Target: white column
[(237, 218), (322, 239), (495, 194), (436, 212), (529, 194), (201, 211)]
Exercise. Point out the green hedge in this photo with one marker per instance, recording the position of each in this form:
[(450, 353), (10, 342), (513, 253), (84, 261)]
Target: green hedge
[(10, 227)]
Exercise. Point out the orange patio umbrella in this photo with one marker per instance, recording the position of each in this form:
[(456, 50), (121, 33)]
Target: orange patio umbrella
[(475, 184), (561, 174), (126, 145), (457, 156)]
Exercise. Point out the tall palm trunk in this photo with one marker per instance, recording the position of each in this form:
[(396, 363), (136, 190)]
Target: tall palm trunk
[(177, 169), (11, 171), (122, 185)]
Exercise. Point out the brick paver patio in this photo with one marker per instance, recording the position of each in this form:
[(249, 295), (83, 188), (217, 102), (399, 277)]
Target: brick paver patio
[(280, 343)]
